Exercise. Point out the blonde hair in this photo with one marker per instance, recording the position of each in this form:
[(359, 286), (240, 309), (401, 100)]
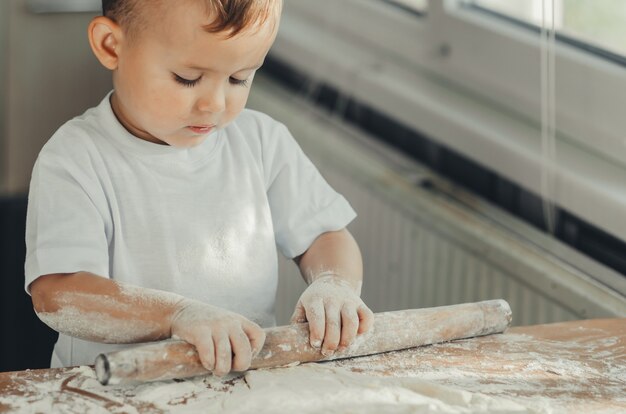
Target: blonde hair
[(229, 16)]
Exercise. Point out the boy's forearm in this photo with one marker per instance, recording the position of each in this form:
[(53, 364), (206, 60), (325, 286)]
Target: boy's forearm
[(98, 309), (333, 253)]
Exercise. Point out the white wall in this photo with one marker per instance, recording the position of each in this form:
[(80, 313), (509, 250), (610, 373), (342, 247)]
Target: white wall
[(47, 76)]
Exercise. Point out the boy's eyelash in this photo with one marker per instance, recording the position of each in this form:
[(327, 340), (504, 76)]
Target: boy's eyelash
[(239, 82), (187, 82), (190, 83)]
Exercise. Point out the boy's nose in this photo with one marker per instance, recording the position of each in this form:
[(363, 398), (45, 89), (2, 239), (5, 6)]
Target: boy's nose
[(213, 101)]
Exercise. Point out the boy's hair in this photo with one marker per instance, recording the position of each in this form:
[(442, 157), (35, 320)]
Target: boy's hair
[(231, 16)]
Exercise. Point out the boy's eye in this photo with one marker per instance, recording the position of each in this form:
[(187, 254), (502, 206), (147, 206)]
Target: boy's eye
[(240, 82), (187, 82)]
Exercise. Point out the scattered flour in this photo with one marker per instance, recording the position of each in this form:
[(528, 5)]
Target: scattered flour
[(547, 376), (280, 390), (315, 388)]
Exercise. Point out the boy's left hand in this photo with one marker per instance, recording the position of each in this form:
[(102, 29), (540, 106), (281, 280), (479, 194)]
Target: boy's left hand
[(335, 312)]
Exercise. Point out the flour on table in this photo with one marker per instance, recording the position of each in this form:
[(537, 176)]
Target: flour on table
[(308, 388), (49, 394), (315, 388)]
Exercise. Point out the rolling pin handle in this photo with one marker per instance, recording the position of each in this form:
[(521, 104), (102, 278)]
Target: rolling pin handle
[(103, 370)]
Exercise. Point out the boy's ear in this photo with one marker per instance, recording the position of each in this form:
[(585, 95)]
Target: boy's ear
[(105, 38)]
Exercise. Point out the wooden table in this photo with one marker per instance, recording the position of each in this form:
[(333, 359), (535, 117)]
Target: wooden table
[(568, 367)]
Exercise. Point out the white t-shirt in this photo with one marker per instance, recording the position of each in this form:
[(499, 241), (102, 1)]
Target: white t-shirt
[(203, 222)]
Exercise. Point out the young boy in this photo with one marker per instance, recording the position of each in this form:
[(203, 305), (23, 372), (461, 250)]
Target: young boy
[(157, 213)]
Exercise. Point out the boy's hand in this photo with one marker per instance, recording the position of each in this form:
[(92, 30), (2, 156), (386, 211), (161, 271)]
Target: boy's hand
[(224, 340), (335, 312)]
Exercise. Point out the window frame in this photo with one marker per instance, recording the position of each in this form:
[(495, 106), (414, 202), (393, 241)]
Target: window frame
[(582, 111)]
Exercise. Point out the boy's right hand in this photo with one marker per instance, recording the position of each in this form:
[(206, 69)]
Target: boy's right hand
[(224, 340)]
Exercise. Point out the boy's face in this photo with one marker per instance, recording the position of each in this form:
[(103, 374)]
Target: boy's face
[(175, 83)]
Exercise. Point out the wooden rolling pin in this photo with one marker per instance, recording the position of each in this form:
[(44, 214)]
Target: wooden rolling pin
[(392, 331)]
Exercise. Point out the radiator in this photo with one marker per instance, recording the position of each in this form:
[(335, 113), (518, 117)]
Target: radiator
[(425, 242)]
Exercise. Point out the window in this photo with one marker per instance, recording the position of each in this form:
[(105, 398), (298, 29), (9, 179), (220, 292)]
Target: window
[(597, 23), (491, 57), (500, 60)]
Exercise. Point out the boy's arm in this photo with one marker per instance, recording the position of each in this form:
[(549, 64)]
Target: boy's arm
[(98, 309), (333, 268)]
